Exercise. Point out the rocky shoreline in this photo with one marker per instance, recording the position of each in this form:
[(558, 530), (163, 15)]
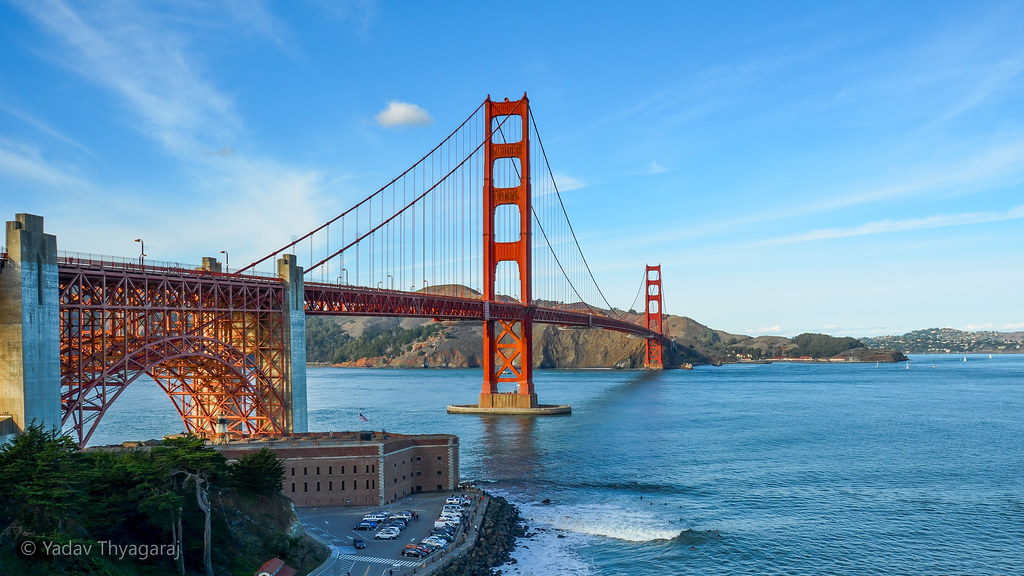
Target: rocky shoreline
[(495, 541)]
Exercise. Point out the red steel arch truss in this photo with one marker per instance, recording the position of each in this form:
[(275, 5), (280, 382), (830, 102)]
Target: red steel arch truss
[(215, 344)]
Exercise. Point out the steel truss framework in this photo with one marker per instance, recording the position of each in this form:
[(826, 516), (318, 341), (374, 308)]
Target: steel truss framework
[(215, 344)]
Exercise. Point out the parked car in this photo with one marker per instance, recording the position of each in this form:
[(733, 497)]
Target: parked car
[(387, 534), (366, 526), (411, 550), (405, 515), (444, 531), (436, 541), (453, 500), (427, 548)]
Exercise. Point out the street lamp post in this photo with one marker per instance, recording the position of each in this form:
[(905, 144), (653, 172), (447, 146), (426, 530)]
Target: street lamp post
[(345, 273), (391, 280), (142, 251), (227, 260)]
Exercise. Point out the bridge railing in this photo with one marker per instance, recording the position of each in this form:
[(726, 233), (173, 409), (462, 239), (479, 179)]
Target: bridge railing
[(122, 263)]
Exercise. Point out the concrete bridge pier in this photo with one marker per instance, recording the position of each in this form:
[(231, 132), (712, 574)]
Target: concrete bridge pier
[(29, 327), (295, 338)]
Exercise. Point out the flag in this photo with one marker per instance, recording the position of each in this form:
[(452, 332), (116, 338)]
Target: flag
[(363, 418)]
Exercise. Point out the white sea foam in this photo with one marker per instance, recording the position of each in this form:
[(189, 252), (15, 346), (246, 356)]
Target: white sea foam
[(608, 519), (544, 552)]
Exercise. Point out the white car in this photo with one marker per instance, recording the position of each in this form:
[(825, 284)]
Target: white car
[(436, 541), (387, 534)]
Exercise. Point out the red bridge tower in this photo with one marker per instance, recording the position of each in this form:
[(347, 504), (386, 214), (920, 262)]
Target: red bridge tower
[(652, 313), (507, 344)]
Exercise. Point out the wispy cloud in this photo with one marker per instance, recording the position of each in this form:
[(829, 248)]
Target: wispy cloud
[(400, 113), (566, 183), (987, 167), (775, 329), (144, 58), (148, 67), (25, 163), (361, 12), (655, 168), (988, 326), (908, 225), (42, 126), (253, 15)]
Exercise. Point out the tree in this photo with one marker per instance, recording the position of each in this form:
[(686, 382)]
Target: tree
[(260, 473), (41, 473), (823, 345), (188, 461), (163, 504)]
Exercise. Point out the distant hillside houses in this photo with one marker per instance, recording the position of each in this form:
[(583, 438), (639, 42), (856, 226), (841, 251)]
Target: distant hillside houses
[(951, 341)]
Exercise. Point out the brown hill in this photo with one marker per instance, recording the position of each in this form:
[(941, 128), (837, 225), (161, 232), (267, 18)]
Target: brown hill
[(454, 344)]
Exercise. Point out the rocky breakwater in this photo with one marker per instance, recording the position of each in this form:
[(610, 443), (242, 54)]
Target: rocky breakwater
[(495, 541)]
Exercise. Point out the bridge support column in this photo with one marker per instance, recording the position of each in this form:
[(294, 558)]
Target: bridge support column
[(653, 315), (30, 326), (508, 354), (295, 340)]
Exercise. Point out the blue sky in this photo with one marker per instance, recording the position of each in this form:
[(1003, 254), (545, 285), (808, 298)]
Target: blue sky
[(849, 168)]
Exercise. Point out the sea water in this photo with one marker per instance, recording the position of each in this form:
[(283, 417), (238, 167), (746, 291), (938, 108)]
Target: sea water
[(740, 469)]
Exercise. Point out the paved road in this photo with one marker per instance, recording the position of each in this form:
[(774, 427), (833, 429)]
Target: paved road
[(334, 526)]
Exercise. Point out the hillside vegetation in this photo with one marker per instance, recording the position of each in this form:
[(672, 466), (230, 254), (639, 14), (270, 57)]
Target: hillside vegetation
[(130, 511), (418, 343)]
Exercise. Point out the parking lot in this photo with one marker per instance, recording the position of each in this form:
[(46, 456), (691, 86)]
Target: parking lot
[(335, 526)]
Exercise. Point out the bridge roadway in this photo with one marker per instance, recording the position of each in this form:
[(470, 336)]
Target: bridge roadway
[(335, 299), (326, 299)]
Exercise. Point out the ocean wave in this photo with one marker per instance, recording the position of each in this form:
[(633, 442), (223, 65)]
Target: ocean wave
[(691, 537), (547, 551), (606, 520), (641, 488)]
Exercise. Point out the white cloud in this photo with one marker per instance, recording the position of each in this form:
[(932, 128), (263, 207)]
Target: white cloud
[(1008, 327), (25, 163), (129, 53), (143, 59), (566, 183), (769, 330), (888, 226), (400, 113), (655, 168), (41, 126)]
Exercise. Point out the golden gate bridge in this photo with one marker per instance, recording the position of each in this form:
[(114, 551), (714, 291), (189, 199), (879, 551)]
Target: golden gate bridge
[(474, 230)]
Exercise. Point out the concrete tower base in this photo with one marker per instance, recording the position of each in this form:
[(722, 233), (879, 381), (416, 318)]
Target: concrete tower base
[(539, 410)]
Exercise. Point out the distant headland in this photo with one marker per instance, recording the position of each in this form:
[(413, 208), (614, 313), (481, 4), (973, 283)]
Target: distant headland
[(418, 343)]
